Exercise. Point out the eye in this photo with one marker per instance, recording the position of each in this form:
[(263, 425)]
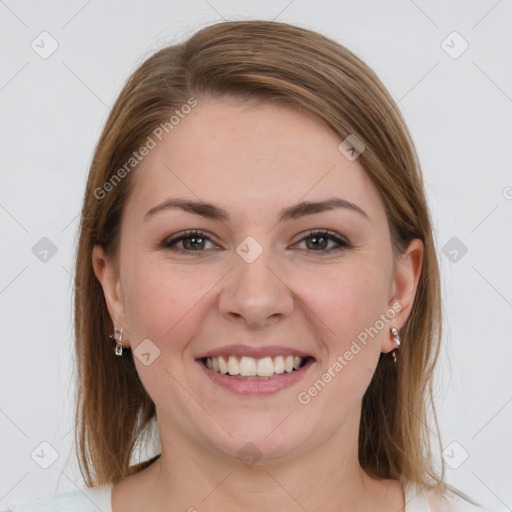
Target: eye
[(190, 241), (323, 241)]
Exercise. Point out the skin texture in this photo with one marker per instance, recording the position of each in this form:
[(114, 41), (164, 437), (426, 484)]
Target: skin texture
[(253, 161)]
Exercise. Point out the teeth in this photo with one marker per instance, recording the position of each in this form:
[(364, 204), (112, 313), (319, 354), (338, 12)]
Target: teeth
[(233, 366), (279, 364), (251, 367), (223, 367), (265, 367), (247, 366)]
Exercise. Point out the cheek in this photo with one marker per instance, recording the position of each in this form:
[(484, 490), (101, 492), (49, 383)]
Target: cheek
[(346, 307), (164, 302), (344, 301)]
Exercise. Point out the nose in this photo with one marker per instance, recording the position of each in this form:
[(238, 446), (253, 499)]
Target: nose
[(255, 294)]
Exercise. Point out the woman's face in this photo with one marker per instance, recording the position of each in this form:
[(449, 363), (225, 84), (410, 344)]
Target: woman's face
[(257, 286)]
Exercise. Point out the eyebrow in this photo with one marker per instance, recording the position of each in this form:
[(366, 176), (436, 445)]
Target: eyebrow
[(211, 211)]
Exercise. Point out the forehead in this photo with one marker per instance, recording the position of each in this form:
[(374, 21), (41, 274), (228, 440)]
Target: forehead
[(249, 158)]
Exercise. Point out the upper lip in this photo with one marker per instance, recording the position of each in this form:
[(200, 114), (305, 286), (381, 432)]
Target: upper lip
[(255, 352)]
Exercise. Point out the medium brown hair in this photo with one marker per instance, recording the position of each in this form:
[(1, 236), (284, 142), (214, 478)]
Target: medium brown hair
[(304, 70)]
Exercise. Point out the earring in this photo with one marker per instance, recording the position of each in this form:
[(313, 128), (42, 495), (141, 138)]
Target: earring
[(119, 346), (396, 339)]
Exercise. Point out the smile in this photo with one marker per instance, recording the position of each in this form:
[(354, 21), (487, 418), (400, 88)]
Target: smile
[(251, 368), (255, 371)]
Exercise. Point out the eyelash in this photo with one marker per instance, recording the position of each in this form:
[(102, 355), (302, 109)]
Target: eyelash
[(324, 233), (170, 243)]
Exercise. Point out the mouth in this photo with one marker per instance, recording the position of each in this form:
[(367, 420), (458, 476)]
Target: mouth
[(251, 368), (261, 371)]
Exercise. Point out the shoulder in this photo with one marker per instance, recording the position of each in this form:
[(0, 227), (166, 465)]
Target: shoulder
[(420, 500), (87, 500)]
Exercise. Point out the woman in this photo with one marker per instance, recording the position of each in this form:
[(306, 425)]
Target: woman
[(256, 271)]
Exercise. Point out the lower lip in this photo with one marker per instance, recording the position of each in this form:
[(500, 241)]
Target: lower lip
[(257, 387)]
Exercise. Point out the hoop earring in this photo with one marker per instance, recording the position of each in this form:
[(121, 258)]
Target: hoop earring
[(119, 350), (396, 339)]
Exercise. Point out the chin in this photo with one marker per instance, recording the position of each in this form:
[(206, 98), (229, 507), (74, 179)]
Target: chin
[(259, 441)]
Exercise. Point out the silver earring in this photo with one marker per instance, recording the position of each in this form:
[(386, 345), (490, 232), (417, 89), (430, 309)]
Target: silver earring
[(117, 337), (396, 339)]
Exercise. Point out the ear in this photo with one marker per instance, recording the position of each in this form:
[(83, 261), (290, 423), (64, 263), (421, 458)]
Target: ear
[(403, 288), (108, 276)]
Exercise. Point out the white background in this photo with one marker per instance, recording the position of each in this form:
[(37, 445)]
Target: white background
[(459, 111)]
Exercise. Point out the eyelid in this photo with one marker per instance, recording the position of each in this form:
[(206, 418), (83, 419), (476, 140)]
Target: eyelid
[(172, 240), (331, 235)]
